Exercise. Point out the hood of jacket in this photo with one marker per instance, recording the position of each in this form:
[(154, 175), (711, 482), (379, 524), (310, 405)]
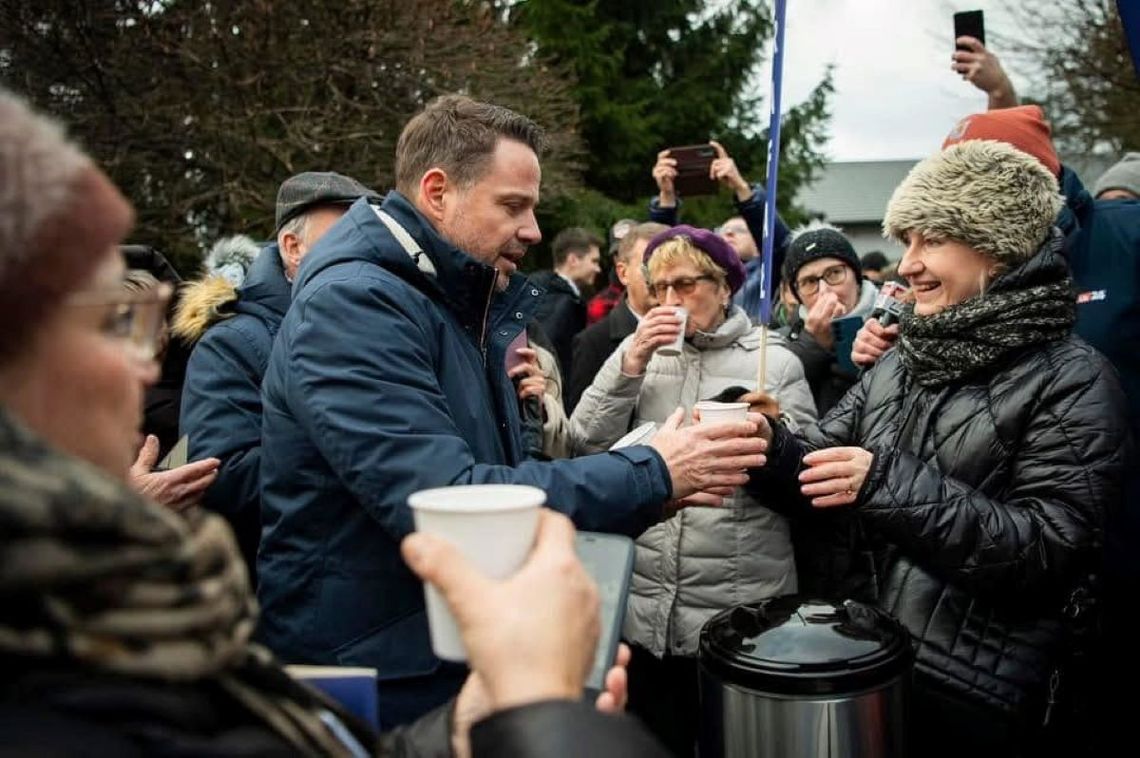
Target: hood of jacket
[(1078, 204), (462, 283), (205, 302)]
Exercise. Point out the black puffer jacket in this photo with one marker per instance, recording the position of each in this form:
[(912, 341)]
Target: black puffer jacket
[(980, 521)]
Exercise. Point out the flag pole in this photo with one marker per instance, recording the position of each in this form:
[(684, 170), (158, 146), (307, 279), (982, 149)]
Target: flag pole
[(773, 172)]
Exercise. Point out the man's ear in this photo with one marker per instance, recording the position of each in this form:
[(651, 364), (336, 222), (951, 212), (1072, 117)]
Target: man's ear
[(290, 246), (620, 268), (432, 200)]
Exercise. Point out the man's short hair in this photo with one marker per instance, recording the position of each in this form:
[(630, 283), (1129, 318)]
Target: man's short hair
[(646, 231), (459, 135), (574, 240)]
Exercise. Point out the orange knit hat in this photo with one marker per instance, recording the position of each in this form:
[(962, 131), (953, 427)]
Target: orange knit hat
[(1024, 127)]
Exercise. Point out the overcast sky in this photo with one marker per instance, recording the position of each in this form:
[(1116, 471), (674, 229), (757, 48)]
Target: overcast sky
[(895, 95)]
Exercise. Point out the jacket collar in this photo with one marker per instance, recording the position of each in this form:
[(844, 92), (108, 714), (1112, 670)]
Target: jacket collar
[(622, 321), (265, 290), (736, 326)]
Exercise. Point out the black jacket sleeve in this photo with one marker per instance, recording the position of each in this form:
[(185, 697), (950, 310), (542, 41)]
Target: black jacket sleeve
[(590, 350), (561, 729)]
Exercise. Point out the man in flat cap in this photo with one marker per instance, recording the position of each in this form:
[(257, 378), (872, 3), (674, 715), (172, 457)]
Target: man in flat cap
[(233, 329)]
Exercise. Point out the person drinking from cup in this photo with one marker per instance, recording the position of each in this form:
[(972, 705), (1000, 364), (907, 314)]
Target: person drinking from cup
[(962, 484), (703, 559)]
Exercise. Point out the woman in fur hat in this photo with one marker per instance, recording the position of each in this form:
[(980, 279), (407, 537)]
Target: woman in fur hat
[(962, 484)]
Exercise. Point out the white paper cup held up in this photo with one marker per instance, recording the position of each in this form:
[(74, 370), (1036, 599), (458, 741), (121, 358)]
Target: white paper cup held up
[(493, 525), (713, 412), (675, 347)]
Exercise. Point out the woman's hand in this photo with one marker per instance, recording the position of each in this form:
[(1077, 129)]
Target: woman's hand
[(872, 341), (474, 704), (835, 475), (531, 380), (659, 327), (761, 402), (177, 489), (827, 308)]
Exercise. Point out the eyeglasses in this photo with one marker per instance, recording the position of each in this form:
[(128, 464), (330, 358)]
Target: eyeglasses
[(683, 286), (136, 318), (809, 285)]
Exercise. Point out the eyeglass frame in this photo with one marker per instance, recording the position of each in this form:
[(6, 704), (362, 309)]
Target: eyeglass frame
[(809, 285), (689, 284), (143, 346)]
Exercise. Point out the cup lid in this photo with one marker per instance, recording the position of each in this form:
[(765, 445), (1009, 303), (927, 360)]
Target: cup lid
[(478, 498), (794, 645)]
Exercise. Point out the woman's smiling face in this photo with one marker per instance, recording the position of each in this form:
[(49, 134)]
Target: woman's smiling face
[(942, 273)]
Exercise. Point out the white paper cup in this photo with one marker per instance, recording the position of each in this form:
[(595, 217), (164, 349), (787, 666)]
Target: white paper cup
[(675, 347), (493, 525), (713, 412)]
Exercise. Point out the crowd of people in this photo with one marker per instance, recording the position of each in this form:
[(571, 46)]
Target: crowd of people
[(969, 468)]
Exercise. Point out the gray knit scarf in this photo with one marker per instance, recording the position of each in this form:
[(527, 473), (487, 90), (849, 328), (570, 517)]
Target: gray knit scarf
[(95, 577), (1031, 305)]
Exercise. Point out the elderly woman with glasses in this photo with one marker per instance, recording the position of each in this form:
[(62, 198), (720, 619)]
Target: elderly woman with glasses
[(825, 276), (124, 627), (962, 484), (703, 559)]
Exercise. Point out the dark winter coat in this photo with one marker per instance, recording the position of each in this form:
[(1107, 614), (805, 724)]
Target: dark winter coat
[(562, 315), (594, 344), (980, 522), (385, 380)]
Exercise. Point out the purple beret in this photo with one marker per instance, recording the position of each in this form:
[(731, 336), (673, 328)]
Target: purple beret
[(712, 244)]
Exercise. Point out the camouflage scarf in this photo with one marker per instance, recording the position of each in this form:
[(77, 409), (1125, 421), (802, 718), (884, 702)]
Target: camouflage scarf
[(93, 574), (1031, 305)]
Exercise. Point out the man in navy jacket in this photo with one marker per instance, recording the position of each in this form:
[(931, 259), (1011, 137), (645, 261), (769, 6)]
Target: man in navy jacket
[(388, 376), (233, 329)]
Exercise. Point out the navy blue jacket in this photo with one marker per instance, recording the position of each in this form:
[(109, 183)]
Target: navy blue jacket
[(751, 295), (385, 381), (221, 399)]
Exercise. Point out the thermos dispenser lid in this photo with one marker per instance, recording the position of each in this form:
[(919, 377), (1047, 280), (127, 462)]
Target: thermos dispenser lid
[(794, 645)]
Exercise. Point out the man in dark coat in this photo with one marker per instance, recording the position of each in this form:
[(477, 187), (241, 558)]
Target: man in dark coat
[(233, 330), (593, 345), (562, 311), (388, 376)]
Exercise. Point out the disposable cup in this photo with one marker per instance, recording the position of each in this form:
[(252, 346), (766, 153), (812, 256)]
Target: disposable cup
[(493, 525), (675, 347), (713, 412)]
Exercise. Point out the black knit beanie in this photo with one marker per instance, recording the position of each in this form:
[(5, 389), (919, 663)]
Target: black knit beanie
[(815, 243)]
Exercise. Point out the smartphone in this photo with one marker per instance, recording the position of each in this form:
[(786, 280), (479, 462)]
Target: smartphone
[(177, 455), (843, 331), (513, 358), (608, 559), (693, 163), (969, 24)]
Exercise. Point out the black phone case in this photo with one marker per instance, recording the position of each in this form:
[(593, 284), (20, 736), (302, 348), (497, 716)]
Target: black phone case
[(970, 24), (693, 163)]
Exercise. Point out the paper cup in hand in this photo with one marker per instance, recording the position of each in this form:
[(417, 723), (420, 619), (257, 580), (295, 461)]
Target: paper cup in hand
[(493, 525), (674, 348), (713, 412)]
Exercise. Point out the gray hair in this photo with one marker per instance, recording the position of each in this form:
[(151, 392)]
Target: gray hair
[(38, 166), (298, 225)]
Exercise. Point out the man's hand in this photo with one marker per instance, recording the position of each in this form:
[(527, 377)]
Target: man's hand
[(705, 457), (474, 704), (664, 172), (724, 170), (659, 327), (762, 403), (872, 341), (982, 68), (835, 475), (177, 489), (530, 637), (826, 309), (531, 380)]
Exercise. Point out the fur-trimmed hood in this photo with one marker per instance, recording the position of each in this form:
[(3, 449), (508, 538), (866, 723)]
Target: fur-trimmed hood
[(203, 303), (265, 293), (982, 193)]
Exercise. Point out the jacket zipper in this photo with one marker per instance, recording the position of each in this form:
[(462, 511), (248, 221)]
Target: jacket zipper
[(486, 315)]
